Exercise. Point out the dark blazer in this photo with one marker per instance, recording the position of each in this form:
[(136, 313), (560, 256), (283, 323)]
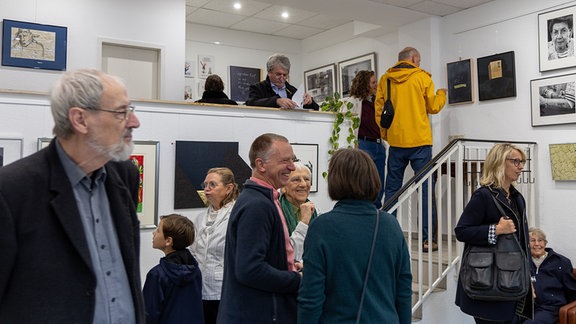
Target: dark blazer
[(46, 272), (261, 94), (473, 227)]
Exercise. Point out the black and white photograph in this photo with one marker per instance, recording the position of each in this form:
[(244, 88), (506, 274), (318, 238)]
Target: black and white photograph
[(556, 39), (320, 82), (349, 68), (553, 100)]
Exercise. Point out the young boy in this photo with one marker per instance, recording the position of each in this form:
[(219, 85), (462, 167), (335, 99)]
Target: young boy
[(173, 288)]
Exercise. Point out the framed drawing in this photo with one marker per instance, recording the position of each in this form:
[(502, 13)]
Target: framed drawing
[(563, 159), (33, 45), (556, 39), (496, 76), (10, 150), (308, 154), (460, 82), (552, 100), (347, 70), (146, 157), (320, 82), (205, 66)]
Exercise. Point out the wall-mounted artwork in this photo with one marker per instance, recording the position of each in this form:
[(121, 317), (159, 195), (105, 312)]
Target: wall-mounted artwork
[(10, 150), (33, 45), (194, 159), (308, 155), (496, 76), (146, 158), (43, 142), (348, 69), (556, 39), (563, 160), (460, 89), (553, 100), (320, 82), (205, 66)]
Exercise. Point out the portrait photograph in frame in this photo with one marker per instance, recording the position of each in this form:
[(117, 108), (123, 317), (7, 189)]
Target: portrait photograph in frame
[(556, 39), (31, 45), (320, 82), (10, 150), (460, 87), (496, 76), (146, 157), (308, 155), (347, 71), (552, 100)]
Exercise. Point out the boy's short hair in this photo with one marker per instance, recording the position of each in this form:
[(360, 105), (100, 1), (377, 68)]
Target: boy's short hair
[(180, 229)]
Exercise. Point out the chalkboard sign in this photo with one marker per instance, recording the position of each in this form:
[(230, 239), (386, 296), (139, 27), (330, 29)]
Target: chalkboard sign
[(241, 78)]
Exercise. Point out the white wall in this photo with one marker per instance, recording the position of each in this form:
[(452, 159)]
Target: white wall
[(159, 23)]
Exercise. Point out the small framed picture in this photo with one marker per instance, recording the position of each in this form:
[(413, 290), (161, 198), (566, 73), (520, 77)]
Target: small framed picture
[(145, 157), (205, 66), (460, 82), (308, 155), (552, 100), (496, 76), (348, 69), (34, 46), (10, 150), (320, 82), (556, 39)]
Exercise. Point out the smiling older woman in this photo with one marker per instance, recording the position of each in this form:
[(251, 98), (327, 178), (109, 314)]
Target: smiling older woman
[(297, 208)]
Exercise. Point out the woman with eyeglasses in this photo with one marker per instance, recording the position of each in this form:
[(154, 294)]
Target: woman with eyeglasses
[(297, 208), (481, 223), (221, 191)]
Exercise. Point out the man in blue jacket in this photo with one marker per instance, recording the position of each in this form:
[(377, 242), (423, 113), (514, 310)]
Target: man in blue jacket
[(261, 280)]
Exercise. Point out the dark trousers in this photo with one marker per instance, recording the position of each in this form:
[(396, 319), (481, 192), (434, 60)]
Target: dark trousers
[(210, 311)]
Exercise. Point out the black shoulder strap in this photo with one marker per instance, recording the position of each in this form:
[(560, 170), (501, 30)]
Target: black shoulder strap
[(365, 284), (388, 88)]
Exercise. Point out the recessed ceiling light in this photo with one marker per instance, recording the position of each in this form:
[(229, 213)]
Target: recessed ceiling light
[(237, 5), (217, 42), (285, 14)]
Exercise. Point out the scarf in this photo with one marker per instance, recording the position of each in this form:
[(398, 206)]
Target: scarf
[(292, 213)]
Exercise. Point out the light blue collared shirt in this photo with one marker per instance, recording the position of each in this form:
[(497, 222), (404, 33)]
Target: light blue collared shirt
[(114, 303), (279, 91)]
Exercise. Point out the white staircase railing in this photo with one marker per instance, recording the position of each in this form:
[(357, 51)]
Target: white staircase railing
[(457, 171)]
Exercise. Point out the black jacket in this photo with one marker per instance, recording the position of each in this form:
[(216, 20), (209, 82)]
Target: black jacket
[(261, 94), (216, 97)]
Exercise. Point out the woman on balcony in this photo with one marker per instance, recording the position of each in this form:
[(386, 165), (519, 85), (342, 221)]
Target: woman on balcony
[(481, 223)]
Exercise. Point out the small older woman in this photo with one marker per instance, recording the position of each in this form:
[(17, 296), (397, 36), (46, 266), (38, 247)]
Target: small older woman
[(337, 250), (555, 285), (481, 223), (297, 208), (221, 192)]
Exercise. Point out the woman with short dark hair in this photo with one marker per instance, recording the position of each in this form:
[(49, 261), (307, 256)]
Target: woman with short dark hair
[(338, 246), (214, 92)]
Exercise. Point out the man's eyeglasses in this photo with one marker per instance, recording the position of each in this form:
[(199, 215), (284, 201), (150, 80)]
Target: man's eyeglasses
[(517, 161), (210, 185), (121, 114)]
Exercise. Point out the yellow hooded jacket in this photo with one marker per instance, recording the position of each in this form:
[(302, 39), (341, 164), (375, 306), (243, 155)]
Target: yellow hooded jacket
[(412, 94)]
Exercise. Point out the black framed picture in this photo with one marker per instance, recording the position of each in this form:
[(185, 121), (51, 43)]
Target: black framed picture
[(553, 100), (556, 39), (347, 71), (33, 45), (460, 82), (496, 76), (320, 82)]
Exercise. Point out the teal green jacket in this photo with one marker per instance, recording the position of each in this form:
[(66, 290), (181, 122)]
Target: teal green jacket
[(336, 252)]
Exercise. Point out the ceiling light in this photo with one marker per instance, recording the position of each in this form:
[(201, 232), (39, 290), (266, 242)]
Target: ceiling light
[(217, 43), (285, 14), (237, 5)]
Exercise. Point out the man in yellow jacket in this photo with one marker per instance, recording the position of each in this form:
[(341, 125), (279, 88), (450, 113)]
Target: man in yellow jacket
[(410, 135)]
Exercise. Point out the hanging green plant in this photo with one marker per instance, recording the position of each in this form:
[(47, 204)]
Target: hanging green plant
[(343, 111)]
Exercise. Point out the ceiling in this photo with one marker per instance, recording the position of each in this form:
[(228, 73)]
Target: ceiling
[(311, 17)]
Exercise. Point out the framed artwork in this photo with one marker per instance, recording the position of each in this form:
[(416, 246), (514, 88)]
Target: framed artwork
[(552, 100), (189, 69), (146, 157), (205, 66), (10, 150), (556, 39), (496, 76), (348, 69), (563, 159), (320, 82), (460, 82), (241, 78), (308, 154), (34, 46), (43, 142)]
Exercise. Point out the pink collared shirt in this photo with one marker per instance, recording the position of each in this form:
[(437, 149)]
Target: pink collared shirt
[(289, 247)]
